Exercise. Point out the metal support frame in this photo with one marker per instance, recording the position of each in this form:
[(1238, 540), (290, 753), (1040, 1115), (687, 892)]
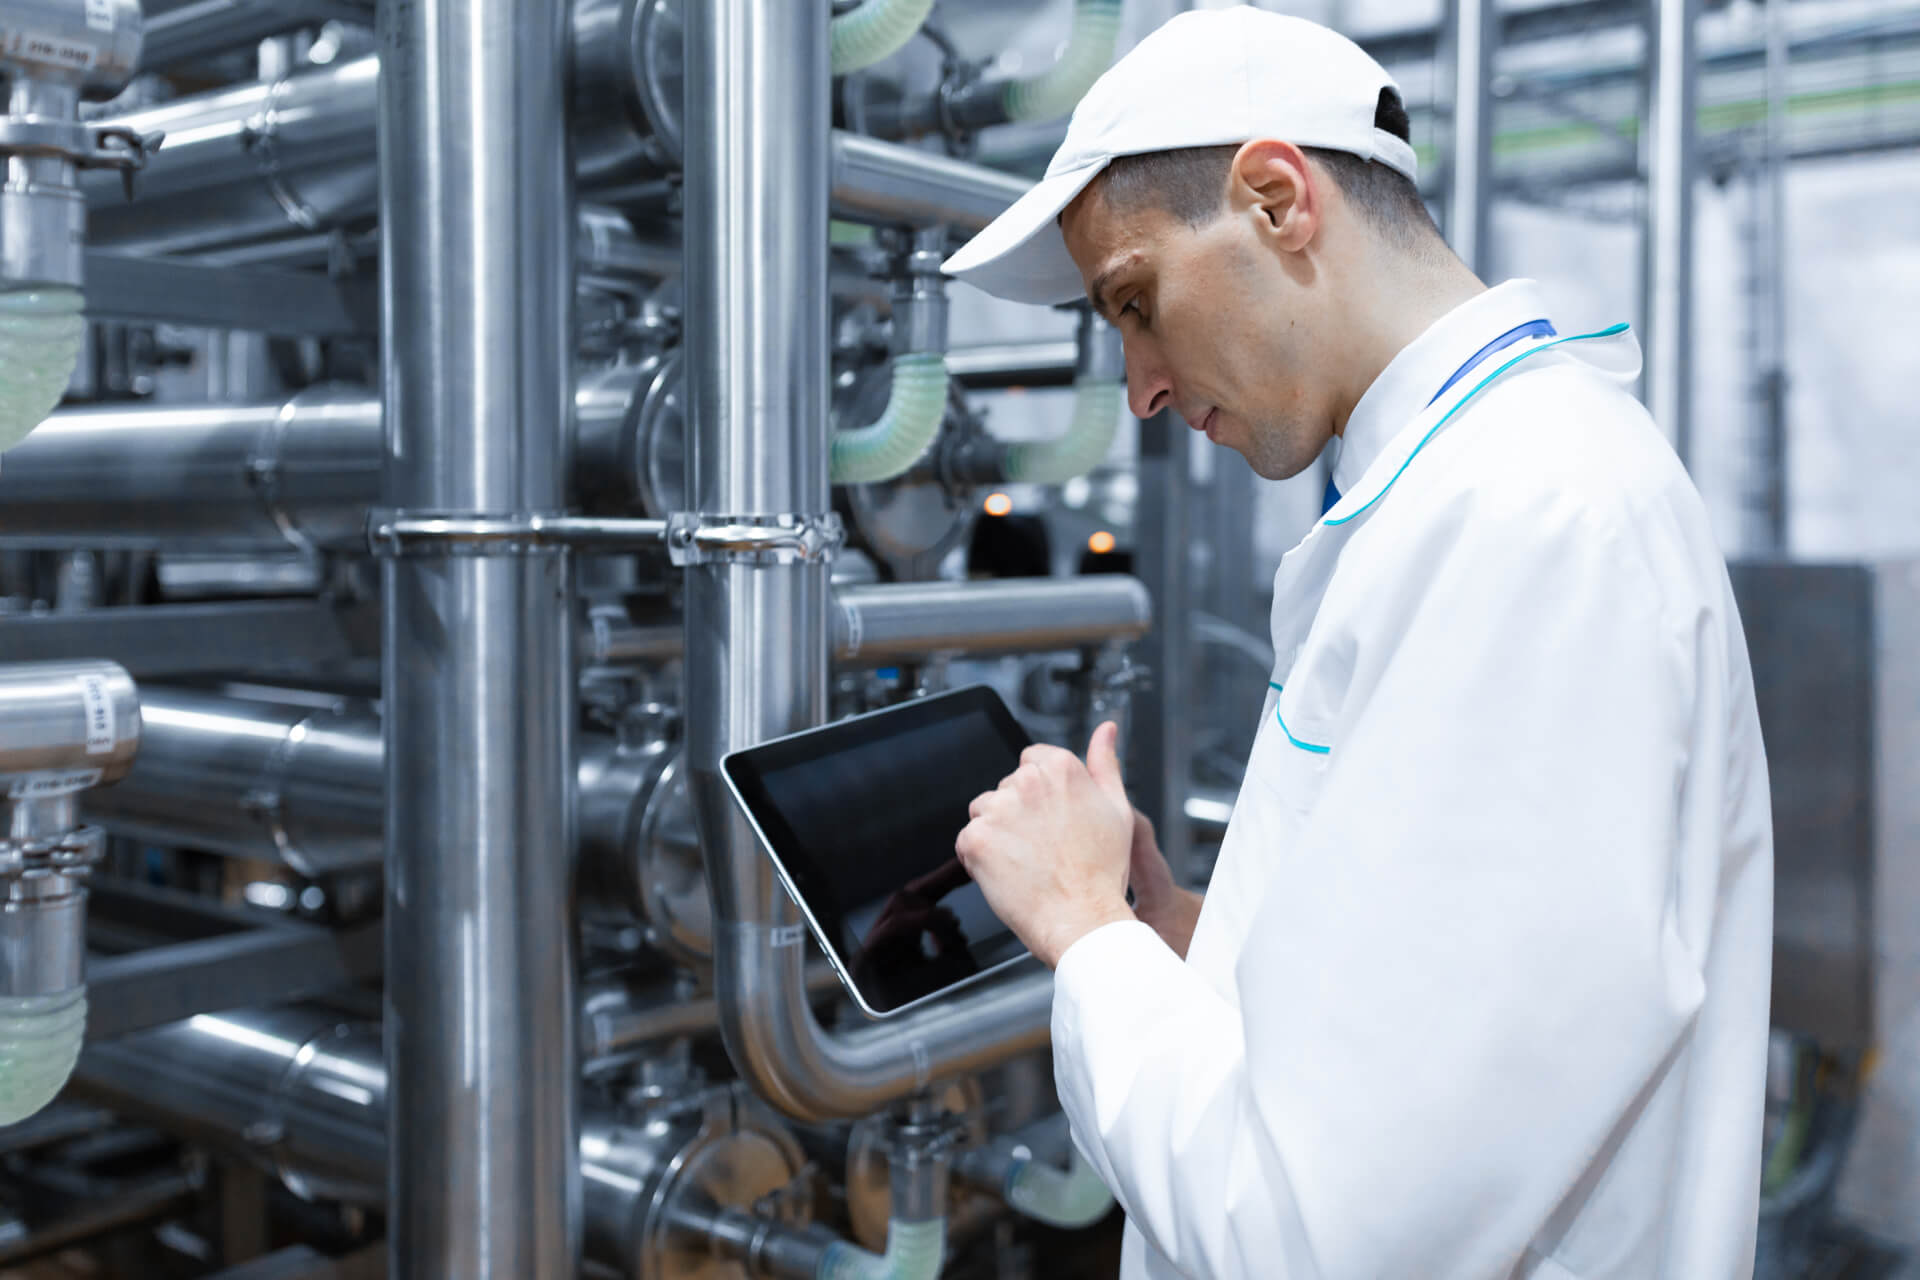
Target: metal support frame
[(215, 959), (1474, 35), (1157, 756), (1671, 172), (478, 678), (124, 287)]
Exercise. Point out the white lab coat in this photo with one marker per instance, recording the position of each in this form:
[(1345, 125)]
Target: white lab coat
[(1481, 988)]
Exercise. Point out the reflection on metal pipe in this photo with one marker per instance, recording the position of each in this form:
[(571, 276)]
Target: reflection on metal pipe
[(64, 727), (477, 676), (1474, 37), (302, 1093), (1671, 170), (757, 116)]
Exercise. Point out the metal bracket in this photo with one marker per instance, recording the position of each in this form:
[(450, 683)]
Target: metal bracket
[(695, 538), (397, 534)]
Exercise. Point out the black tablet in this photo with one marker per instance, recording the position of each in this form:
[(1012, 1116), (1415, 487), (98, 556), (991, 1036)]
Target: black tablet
[(860, 818)]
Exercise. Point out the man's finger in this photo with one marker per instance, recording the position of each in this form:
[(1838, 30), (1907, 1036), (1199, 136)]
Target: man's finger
[(1103, 762)]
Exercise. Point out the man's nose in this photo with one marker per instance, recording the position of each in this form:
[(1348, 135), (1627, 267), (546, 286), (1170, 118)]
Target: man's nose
[(1149, 385)]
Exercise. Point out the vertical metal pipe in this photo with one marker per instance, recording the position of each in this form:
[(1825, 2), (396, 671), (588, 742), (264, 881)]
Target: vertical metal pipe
[(1671, 169), (1773, 263), (1474, 34), (476, 256), (757, 119)]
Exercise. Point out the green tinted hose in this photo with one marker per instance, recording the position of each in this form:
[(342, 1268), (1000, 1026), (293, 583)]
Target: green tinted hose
[(40, 1040), (875, 30), (1073, 1198), (914, 1249), (1084, 445), (40, 335), (887, 448), (1058, 89)]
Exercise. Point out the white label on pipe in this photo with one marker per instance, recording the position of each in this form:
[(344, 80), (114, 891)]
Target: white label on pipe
[(32, 46), (789, 935), (99, 709), (100, 14), (35, 786)]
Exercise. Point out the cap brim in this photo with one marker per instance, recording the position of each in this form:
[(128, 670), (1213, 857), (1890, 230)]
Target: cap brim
[(1021, 255)]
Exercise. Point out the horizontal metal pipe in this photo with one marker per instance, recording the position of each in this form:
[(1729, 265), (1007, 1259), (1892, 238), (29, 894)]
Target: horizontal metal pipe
[(290, 784), (1032, 364), (179, 30), (881, 624), (615, 1020), (299, 473), (294, 156), (154, 1197), (302, 1094)]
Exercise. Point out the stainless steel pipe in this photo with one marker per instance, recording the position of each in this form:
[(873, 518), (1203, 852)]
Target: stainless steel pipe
[(476, 228), (294, 156), (758, 154), (298, 473)]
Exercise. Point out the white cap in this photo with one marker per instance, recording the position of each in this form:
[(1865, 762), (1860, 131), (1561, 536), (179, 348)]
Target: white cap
[(1206, 78)]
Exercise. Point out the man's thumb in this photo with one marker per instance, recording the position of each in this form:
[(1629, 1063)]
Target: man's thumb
[(1103, 762)]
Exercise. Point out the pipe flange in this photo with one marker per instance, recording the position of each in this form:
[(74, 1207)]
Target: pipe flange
[(90, 146), (696, 538)]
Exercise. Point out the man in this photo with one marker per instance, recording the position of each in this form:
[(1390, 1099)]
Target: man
[(1479, 986)]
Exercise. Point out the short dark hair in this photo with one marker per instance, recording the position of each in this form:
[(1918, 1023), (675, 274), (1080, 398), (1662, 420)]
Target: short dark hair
[(1190, 182)]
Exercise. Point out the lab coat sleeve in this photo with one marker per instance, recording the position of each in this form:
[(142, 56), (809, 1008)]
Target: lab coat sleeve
[(1467, 974)]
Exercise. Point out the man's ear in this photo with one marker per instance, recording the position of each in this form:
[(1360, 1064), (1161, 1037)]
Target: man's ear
[(1271, 180)]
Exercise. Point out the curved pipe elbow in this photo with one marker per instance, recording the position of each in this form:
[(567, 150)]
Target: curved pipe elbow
[(1058, 89), (875, 31), (1083, 446), (890, 446)]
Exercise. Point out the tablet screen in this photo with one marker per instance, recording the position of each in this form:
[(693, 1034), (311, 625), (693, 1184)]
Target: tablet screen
[(862, 817)]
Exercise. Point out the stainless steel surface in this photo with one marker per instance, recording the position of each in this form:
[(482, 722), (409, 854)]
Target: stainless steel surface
[(133, 1202), (1672, 170), (881, 624), (282, 783), (92, 45), (1027, 364), (885, 183), (258, 637), (62, 717), (179, 30), (302, 1093), (1158, 749), (294, 156), (1473, 37), (123, 286), (42, 219), (618, 1021), (299, 473), (476, 225), (757, 144), (43, 931)]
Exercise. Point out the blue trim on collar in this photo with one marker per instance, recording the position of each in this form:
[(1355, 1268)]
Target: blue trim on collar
[(1609, 332)]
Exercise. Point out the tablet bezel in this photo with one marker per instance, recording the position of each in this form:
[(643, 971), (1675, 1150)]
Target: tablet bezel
[(1016, 737)]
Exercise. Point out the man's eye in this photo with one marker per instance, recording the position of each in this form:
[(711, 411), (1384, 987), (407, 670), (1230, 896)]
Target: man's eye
[(1133, 305)]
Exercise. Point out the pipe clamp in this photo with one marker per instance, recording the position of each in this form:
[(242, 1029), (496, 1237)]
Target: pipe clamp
[(402, 534), (695, 538)]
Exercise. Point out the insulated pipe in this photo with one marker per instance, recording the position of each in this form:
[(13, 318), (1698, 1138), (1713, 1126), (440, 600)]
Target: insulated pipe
[(757, 149), (477, 226)]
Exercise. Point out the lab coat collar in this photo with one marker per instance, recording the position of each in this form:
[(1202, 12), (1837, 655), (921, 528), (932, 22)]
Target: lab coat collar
[(1410, 379)]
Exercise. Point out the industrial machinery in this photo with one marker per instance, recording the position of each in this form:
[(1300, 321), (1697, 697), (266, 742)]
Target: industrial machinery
[(487, 415), (527, 478)]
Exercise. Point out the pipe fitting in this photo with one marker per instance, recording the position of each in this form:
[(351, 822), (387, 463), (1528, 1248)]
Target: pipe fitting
[(63, 728)]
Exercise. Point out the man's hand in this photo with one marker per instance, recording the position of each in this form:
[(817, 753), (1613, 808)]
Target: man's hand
[(1170, 910), (1050, 847)]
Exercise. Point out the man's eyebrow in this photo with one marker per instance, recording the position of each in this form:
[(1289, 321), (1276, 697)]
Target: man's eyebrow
[(1098, 290)]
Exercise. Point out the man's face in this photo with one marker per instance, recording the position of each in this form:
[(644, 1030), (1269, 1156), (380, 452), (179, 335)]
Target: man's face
[(1217, 326)]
